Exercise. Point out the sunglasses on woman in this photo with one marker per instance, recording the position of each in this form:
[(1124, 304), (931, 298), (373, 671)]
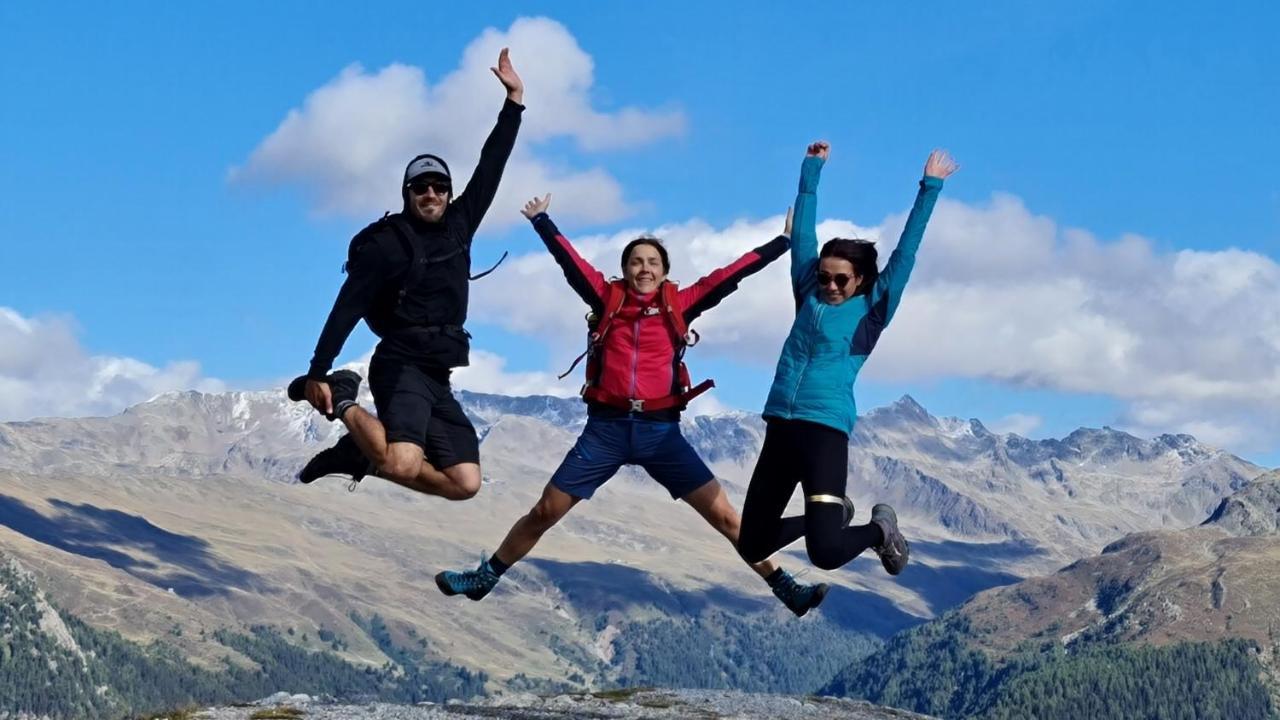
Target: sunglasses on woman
[(826, 278)]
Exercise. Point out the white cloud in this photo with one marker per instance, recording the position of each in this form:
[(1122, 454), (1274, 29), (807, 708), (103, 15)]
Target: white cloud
[(45, 372), (349, 141), (749, 325), (1188, 340), (708, 404), (1017, 423), (488, 373)]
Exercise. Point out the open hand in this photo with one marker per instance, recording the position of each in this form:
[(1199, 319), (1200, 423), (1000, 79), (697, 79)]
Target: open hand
[(536, 205), (940, 165), (821, 149), (508, 77)]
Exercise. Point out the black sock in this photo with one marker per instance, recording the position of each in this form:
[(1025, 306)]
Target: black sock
[(497, 566), (342, 407), (775, 577)]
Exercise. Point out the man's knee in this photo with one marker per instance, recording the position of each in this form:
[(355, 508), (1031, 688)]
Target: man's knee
[(467, 486), (401, 465), (465, 480)]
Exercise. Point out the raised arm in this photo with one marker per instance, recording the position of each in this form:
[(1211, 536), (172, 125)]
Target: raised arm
[(708, 291), (588, 282), (804, 237), (887, 291), (483, 185)]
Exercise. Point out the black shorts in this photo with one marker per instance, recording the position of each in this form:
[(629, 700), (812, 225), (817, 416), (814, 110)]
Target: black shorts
[(416, 405)]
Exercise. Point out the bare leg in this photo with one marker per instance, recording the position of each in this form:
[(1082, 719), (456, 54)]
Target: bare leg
[(550, 508), (456, 482), (369, 435), (713, 505), (403, 463)]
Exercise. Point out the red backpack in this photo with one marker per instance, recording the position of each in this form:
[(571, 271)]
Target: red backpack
[(615, 297)]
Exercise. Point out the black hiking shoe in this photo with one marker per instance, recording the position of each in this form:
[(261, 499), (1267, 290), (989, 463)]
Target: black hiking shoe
[(475, 584), (894, 552), (297, 390), (798, 597), (343, 384), (344, 458)]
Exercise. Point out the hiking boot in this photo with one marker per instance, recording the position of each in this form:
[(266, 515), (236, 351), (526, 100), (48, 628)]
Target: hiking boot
[(798, 597), (297, 390), (344, 458), (893, 553), (344, 385), (848, 510), (475, 584)]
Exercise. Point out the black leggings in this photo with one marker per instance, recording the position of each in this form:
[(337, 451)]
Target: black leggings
[(816, 457)]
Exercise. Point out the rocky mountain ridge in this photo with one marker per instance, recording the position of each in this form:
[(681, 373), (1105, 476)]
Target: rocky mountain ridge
[(1197, 609), (181, 512)]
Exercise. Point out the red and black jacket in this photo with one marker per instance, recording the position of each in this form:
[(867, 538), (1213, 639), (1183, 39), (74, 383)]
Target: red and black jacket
[(639, 357)]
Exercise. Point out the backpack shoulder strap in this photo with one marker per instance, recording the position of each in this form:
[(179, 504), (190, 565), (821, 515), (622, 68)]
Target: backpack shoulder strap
[(614, 297), (404, 233), (412, 250), (598, 326), (671, 309)]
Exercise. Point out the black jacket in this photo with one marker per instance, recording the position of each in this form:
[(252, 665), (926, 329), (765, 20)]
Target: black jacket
[(408, 278)]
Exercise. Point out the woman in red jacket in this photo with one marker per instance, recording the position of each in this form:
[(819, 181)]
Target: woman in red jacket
[(636, 388)]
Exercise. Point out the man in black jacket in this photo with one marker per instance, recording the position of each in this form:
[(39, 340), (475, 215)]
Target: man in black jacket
[(407, 276)]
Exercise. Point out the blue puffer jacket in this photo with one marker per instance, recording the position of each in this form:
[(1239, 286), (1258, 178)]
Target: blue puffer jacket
[(829, 343)]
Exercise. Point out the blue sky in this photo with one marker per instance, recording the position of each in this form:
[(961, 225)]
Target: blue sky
[(123, 123)]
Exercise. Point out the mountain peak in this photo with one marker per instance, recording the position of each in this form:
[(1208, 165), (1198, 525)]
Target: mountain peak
[(1107, 444), (906, 403), (1253, 511), (904, 410)]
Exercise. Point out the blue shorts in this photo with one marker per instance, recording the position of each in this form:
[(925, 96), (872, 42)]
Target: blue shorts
[(606, 444)]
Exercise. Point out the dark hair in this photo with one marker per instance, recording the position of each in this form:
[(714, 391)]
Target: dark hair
[(860, 253), (652, 242)]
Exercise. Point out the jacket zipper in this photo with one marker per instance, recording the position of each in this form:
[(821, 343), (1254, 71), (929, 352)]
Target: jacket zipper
[(635, 353)]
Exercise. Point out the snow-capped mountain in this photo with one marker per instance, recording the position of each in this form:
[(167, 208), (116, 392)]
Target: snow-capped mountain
[(185, 507), (956, 480)]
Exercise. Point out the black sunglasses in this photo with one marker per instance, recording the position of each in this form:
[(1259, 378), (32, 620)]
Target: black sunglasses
[(825, 278), (420, 187)]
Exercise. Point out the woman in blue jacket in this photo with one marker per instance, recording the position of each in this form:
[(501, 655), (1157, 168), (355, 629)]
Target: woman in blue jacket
[(843, 302)]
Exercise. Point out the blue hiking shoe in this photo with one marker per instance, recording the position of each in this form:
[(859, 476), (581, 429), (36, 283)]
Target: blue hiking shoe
[(475, 584), (894, 552), (798, 597)]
